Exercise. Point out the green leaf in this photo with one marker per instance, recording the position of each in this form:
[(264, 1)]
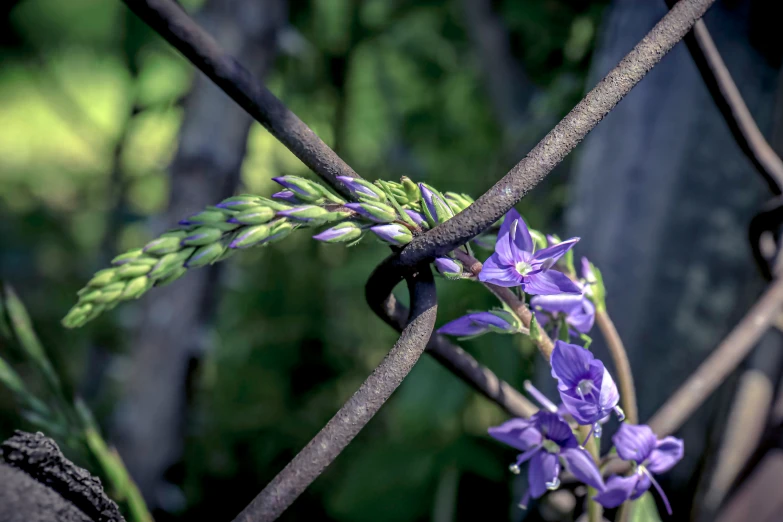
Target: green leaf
[(644, 509)]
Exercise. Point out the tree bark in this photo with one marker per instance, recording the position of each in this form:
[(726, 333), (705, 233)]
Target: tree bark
[(172, 332)]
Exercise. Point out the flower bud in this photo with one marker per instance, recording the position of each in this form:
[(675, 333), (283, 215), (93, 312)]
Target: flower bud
[(257, 215), (172, 276), (169, 262), (103, 277), (378, 212), (341, 233), (133, 270), (239, 203), (279, 230), (306, 214), (417, 217), (205, 255), (162, 245), (205, 217), (202, 236), (447, 267), (304, 189), (393, 233), (411, 190), (250, 236), (127, 257), (434, 206), (458, 202), (362, 190), (136, 287)]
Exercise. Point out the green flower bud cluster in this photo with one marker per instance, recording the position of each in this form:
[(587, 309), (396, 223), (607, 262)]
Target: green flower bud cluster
[(202, 239), (393, 211)]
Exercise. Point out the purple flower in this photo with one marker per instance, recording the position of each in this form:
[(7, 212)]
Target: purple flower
[(515, 262), (652, 456), (543, 439), (586, 388), (578, 310), (479, 323)]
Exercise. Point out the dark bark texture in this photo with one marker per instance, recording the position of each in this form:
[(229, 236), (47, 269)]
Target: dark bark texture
[(662, 198), (37, 483), (172, 332)]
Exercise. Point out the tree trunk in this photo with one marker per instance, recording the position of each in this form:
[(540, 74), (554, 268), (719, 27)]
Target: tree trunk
[(662, 197), (172, 331)]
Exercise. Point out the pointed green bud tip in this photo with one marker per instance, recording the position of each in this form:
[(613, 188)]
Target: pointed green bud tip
[(362, 190), (279, 230), (126, 257), (240, 203), (205, 217), (251, 236), (202, 236), (303, 188), (205, 255), (411, 189), (103, 278), (305, 214), (133, 270), (535, 330), (377, 212), (434, 206), (136, 287), (172, 276), (162, 245), (257, 215), (458, 202), (342, 233)]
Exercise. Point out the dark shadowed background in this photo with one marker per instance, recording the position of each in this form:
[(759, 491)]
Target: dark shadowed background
[(209, 386)]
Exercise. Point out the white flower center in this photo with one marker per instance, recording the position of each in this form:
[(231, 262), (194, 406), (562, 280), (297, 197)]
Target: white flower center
[(584, 387), (523, 268)]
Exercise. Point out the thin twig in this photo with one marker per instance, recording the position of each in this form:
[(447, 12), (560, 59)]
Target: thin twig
[(621, 364), (172, 23), (732, 106), (452, 357), (561, 140), (714, 370), (723, 360), (354, 414)]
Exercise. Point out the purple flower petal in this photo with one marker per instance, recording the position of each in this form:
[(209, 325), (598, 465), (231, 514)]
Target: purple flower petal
[(497, 274), (554, 428), (567, 303), (555, 252), (618, 489), (417, 217), (447, 266), (517, 433), (634, 442), (474, 324), (583, 467), (570, 363), (513, 237), (544, 469), (666, 454), (549, 282), (643, 483), (609, 396)]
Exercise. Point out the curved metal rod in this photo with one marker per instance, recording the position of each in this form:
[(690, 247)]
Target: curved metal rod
[(727, 97), (169, 20), (356, 412), (381, 300), (561, 140)]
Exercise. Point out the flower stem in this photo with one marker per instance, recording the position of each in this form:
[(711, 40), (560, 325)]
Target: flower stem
[(517, 305), (595, 512), (623, 367)]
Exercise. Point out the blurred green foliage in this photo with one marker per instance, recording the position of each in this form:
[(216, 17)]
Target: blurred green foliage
[(90, 106)]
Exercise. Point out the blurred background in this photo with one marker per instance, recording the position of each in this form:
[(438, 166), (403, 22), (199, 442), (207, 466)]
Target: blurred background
[(108, 137)]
